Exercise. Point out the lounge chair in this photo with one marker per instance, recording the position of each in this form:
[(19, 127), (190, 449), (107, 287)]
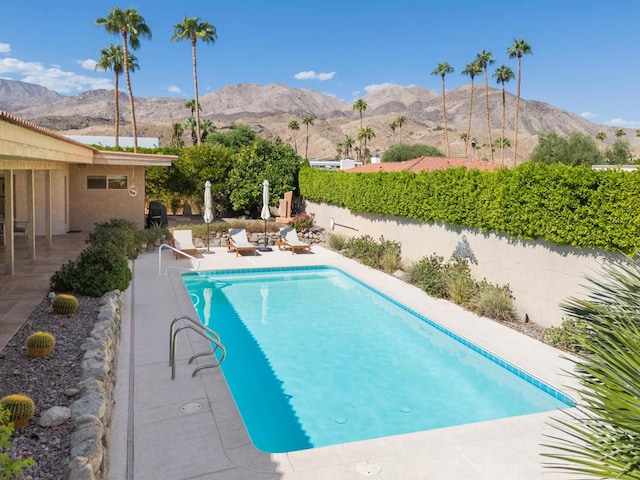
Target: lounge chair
[(239, 242), (289, 239), (183, 241)]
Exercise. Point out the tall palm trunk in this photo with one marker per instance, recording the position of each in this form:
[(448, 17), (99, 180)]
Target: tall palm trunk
[(466, 143), (444, 117), (515, 127), (295, 142), (486, 101), (128, 77), (306, 148), (195, 90), (116, 103), (504, 110)]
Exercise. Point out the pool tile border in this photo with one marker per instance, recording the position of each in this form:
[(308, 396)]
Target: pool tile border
[(536, 382)]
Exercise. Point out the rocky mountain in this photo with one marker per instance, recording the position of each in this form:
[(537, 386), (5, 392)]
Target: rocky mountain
[(269, 109)]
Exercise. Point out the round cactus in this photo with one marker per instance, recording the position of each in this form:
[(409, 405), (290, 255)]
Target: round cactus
[(21, 409), (65, 304), (40, 344)]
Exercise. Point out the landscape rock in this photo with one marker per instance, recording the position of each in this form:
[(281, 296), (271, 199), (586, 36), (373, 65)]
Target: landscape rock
[(54, 416)]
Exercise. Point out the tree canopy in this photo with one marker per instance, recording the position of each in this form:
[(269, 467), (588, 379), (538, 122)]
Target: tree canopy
[(577, 149), (401, 152)]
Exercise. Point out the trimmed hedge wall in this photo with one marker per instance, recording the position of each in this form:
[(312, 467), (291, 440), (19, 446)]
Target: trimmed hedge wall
[(566, 205)]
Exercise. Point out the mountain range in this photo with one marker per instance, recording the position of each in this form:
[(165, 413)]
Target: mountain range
[(268, 110)]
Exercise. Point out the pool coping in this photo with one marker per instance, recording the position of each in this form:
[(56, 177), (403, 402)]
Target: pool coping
[(213, 443)]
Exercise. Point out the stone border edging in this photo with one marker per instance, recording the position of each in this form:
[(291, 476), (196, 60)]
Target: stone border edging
[(91, 412)]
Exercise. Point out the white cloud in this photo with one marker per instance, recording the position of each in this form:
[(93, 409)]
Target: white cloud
[(53, 78), (5, 48), (378, 86), (588, 115), (311, 75), (619, 122), (88, 64), (174, 89)]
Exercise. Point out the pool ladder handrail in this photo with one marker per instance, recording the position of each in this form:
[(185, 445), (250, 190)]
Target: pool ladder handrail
[(201, 330), (176, 251)]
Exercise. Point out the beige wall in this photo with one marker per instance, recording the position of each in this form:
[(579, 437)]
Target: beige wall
[(88, 207), (540, 274)]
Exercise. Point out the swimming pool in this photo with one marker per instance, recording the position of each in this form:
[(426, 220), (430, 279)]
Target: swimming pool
[(316, 357)]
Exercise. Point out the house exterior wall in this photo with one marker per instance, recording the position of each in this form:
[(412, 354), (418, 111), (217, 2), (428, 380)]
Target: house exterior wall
[(88, 206), (541, 275)]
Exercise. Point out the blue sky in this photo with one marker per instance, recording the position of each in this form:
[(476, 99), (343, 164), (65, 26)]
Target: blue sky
[(585, 52)]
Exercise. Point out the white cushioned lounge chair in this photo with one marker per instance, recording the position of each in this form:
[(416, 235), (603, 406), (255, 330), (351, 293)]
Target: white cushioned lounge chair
[(289, 239), (239, 242)]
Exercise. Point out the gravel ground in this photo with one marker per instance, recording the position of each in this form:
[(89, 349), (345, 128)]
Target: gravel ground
[(45, 380)]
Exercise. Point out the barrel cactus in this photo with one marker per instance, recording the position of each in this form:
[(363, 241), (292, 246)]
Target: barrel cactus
[(40, 344), (21, 409), (65, 304)]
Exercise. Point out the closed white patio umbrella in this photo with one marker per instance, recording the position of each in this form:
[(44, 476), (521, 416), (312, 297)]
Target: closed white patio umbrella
[(265, 214), (208, 209)]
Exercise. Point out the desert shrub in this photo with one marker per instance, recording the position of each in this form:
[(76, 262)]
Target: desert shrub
[(336, 241), (494, 301), (461, 287), (11, 465), (568, 335), (429, 273), (390, 260), (302, 221), (100, 269), (62, 280), (118, 232), (370, 252)]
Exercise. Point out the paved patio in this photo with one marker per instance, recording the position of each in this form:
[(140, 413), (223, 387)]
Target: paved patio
[(23, 291), (156, 433)]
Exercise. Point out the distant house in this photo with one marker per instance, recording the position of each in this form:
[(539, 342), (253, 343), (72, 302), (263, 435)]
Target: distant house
[(58, 185), (422, 164)]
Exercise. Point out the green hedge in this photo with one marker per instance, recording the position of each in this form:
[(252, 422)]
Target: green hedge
[(566, 205)]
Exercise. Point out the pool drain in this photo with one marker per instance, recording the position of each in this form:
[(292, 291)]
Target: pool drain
[(192, 407), (368, 468)]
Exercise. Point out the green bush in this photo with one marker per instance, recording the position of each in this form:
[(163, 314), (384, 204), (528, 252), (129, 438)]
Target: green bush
[(336, 241), (11, 466), (302, 221), (402, 151), (429, 273), (62, 280), (118, 232), (101, 268), (495, 302), (370, 252), (461, 287), (557, 203), (568, 336)]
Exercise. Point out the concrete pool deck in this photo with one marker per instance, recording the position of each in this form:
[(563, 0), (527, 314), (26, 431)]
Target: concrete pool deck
[(189, 428)]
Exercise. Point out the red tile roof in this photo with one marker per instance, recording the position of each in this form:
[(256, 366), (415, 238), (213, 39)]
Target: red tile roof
[(421, 164)]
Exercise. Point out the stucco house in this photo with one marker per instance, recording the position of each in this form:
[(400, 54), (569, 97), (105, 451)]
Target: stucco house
[(58, 185)]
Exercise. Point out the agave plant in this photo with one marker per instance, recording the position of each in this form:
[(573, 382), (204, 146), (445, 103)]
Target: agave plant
[(602, 437)]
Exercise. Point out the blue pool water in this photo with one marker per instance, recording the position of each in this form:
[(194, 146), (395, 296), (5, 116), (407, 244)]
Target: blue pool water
[(316, 358)]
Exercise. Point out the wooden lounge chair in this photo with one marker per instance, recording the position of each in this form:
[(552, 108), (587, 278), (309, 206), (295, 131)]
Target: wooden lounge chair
[(289, 239), (239, 242), (183, 241)]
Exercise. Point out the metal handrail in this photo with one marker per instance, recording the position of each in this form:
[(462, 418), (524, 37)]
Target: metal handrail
[(166, 245), (204, 332)]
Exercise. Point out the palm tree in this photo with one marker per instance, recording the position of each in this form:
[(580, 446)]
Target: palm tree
[(339, 151), (502, 75), (471, 70), (348, 145), (111, 59), (366, 133), (130, 25), (601, 136), (191, 28), (442, 69), (190, 125), (518, 49), (294, 126), (393, 125), (637, 133), (485, 59), (401, 120), (620, 133), (360, 106), (206, 127), (191, 105), (176, 135), (307, 121)]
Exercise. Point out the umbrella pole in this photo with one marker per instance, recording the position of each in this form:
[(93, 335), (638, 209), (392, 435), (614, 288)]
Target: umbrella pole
[(265, 233), (208, 239)]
